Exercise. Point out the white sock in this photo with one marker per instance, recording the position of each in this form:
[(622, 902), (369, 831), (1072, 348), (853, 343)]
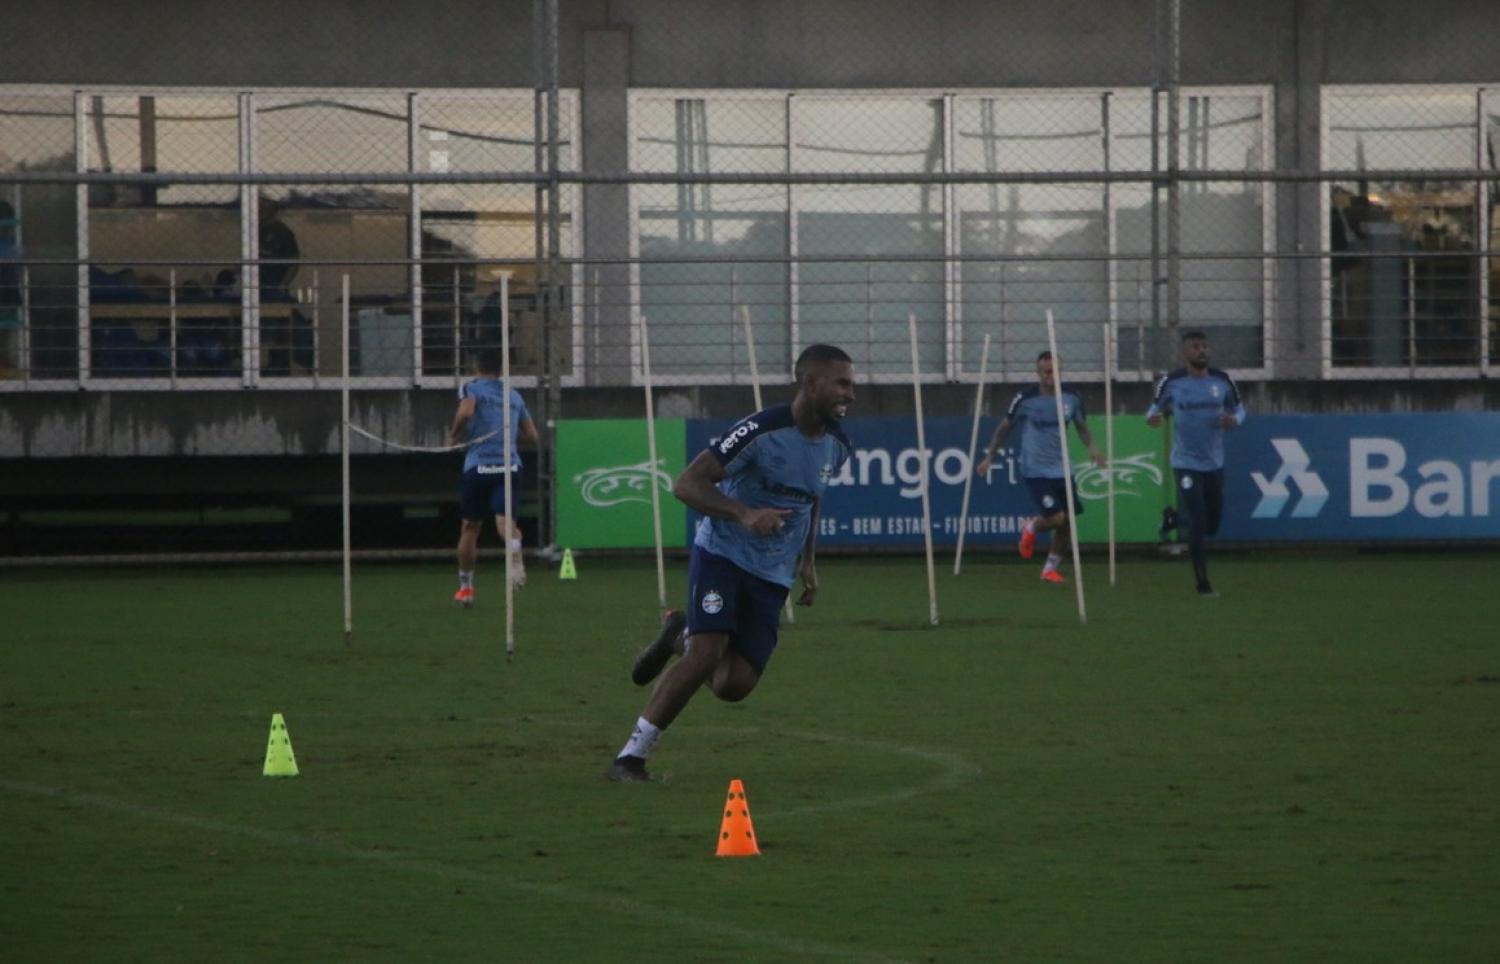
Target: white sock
[(642, 739), (1052, 563), (515, 545), (465, 579)]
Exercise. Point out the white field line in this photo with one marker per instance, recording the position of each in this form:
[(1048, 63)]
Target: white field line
[(953, 770), (636, 910)]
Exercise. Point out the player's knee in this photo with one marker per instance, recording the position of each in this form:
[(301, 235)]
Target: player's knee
[(734, 686)]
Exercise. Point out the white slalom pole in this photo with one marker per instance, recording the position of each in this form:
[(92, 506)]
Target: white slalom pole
[(1109, 439), (916, 387), (791, 612), (344, 467), (507, 443), (963, 513), (1062, 434), (750, 350), (661, 570)]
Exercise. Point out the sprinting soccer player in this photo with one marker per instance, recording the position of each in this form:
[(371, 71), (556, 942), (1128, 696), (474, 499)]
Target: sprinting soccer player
[(1035, 408), (759, 489), (1203, 403), (479, 423)]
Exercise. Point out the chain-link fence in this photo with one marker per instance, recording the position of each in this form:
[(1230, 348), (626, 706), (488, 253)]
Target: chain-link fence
[(1315, 188)]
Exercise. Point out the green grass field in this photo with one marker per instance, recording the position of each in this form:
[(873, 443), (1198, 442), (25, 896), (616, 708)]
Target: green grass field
[(1303, 770)]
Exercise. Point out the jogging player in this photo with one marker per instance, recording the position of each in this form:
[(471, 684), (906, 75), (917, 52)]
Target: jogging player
[(759, 489), (1203, 403), (479, 422), (1035, 408)]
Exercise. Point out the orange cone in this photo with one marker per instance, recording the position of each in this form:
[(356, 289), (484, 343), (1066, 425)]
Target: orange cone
[(736, 832)]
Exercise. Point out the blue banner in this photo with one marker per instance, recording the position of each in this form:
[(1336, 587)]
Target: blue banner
[(1363, 477), (876, 499), (1316, 478)]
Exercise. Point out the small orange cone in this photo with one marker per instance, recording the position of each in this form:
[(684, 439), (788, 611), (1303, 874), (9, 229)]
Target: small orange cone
[(736, 832)]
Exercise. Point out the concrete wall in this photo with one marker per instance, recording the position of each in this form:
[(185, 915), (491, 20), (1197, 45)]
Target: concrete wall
[(271, 423), (742, 43)]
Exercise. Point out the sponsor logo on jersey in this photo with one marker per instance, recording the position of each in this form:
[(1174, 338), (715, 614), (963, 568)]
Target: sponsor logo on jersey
[(729, 441)]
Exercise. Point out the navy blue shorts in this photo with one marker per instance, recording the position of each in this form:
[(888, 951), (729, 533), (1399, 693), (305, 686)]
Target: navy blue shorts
[(1051, 498), (483, 492), (723, 598), (1200, 500)]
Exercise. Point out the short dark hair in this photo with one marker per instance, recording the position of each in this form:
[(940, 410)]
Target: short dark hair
[(487, 360), (1194, 335), (818, 356), (1044, 356)]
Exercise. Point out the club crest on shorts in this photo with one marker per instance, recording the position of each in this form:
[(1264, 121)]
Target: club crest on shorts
[(1187, 481), (1048, 502), (712, 602)]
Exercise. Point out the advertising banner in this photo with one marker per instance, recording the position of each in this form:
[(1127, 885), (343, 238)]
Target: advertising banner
[(1363, 477), (876, 499), (603, 479), (1316, 478)]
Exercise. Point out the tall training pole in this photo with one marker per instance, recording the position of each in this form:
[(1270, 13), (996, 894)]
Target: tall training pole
[(1062, 435), (791, 613), (1109, 438), (661, 568), (916, 387), (507, 443), (750, 351), (963, 513), (344, 464)]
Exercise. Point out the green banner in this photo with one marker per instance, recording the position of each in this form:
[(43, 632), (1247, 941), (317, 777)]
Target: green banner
[(1142, 481), (603, 479)]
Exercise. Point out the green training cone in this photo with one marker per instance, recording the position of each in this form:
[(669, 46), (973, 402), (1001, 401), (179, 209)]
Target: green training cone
[(567, 571), (280, 761)]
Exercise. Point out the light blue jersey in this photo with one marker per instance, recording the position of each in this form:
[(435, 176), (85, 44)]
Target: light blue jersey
[(489, 416), (771, 464), (1035, 414), (1195, 403)]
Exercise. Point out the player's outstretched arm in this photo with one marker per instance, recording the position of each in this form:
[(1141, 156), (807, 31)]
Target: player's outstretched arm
[(1087, 438), (807, 567), (697, 487), (1002, 432), (458, 433)]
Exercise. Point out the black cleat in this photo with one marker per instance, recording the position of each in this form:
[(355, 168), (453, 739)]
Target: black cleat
[(1168, 524), (628, 769), (652, 659), (1205, 591)]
